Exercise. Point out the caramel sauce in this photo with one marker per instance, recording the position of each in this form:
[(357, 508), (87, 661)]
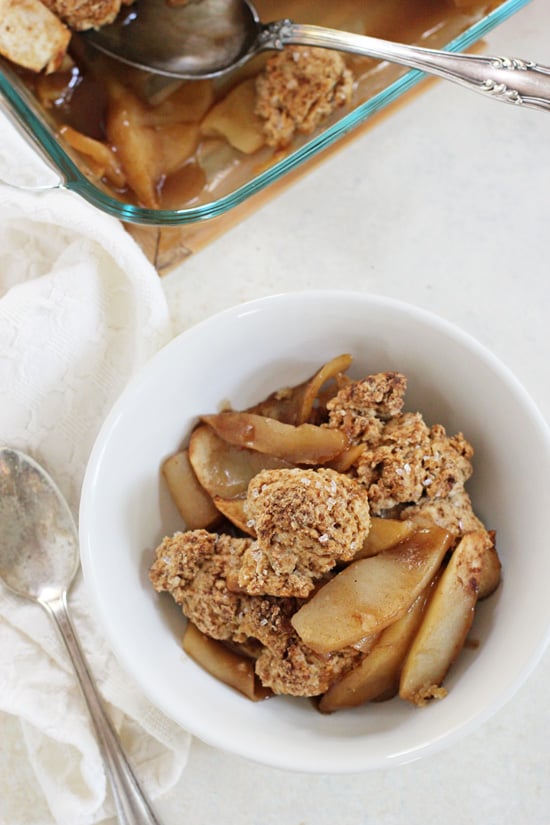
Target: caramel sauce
[(79, 96)]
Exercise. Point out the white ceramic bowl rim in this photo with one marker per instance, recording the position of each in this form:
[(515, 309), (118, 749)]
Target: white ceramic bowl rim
[(249, 350)]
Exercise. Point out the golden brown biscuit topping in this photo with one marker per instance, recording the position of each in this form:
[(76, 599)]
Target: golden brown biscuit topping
[(299, 87)]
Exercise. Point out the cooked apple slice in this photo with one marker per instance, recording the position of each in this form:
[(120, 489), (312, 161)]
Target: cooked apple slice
[(233, 509), (345, 460), (193, 502), (178, 141), (370, 594), (366, 644), (186, 104), (234, 118), (294, 405), (447, 621), (377, 676), (491, 571), (383, 534), (231, 668), (311, 389), (138, 145), (223, 469), (304, 444), (102, 157)]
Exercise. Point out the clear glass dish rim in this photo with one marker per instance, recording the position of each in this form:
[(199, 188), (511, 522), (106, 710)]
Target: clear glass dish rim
[(29, 119)]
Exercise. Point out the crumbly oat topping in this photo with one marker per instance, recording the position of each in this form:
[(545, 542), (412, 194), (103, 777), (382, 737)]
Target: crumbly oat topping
[(293, 668), (86, 14), (194, 567), (453, 512), (305, 521), (412, 461), (429, 692), (299, 87), (361, 407)]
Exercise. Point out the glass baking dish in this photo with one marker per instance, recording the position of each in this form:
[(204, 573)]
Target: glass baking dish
[(451, 24)]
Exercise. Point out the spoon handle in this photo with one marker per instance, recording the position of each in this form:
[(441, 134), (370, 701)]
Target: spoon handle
[(131, 805), (511, 80)]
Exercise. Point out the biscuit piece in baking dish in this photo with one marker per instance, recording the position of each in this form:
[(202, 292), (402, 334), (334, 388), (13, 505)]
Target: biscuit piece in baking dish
[(31, 36), (297, 89), (86, 14)]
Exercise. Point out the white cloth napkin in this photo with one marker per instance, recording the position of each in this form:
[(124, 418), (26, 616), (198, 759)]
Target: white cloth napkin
[(80, 310)]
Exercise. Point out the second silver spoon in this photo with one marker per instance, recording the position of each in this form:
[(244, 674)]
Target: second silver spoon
[(38, 560), (207, 38)]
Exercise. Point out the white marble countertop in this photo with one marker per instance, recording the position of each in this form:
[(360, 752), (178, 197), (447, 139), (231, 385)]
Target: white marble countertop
[(445, 204)]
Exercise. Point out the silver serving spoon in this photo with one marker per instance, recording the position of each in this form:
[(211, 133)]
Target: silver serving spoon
[(39, 559), (207, 38)]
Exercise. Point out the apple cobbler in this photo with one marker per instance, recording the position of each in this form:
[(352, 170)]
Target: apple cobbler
[(333, 551), (168, 144)]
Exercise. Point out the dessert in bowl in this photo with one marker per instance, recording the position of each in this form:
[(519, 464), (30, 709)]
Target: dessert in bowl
[(239, 357)]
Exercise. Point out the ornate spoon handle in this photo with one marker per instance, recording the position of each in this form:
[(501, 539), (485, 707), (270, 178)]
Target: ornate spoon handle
[(510, 80)]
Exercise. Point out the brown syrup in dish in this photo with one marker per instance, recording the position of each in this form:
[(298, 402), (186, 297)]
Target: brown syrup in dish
[(79, 96)]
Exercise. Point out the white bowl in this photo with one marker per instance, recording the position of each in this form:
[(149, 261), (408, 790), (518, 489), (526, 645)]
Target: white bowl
[(241, 355)]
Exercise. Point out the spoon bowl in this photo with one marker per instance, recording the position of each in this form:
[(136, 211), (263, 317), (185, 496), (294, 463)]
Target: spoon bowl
[(38, 541), (39, 558), (200, 39), (208, 38)]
